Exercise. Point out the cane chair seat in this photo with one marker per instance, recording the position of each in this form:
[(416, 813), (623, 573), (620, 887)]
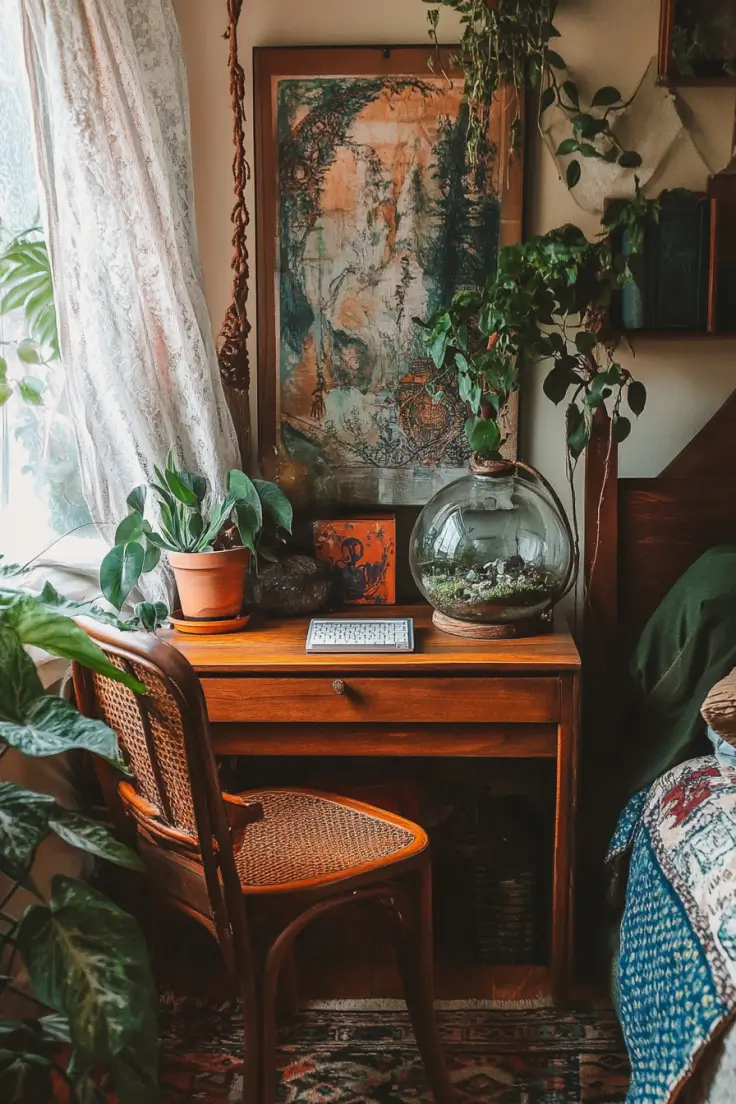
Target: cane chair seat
[(315, 838)]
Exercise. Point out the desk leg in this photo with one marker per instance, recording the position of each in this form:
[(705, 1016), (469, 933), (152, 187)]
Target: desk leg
[(564, 855)]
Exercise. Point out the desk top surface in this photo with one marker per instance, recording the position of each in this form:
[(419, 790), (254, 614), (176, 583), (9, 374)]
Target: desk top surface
[(278, 646)]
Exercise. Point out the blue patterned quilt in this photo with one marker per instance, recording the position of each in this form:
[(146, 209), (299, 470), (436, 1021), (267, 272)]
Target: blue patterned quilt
[(677, 962)]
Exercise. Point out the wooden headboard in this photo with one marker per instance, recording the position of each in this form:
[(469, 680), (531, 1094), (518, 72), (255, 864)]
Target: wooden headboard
[(642, 534)]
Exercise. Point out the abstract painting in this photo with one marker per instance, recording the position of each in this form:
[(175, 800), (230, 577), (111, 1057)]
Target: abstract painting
[(363, 557), (370, 216)]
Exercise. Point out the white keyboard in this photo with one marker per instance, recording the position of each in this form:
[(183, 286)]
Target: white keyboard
[(338, 634)]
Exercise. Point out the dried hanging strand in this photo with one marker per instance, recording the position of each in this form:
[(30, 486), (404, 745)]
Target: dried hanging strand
[(232, 349)]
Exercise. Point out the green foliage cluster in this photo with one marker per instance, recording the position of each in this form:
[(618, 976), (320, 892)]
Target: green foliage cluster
[(697, 45), (508, 42), (86, 958), (548, 300), (187, 524), (25, 284)]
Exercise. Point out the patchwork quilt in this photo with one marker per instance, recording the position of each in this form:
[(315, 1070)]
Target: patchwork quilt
[(677, 961)]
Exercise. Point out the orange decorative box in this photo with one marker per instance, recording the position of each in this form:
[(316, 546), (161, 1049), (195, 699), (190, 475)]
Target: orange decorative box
[(363, 555)]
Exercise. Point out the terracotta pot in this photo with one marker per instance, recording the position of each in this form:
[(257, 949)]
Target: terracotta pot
[(210, 584)]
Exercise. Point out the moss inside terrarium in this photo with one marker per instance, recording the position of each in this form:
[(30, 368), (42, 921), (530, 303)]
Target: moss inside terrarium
[(488, 591)]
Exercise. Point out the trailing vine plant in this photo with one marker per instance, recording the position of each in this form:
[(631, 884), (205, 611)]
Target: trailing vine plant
[(549, 300), (508, 42)]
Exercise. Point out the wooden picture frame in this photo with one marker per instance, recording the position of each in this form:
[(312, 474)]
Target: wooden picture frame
[(705, 73), (307, 159)]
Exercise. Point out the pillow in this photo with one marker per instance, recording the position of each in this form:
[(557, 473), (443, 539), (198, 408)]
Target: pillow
[(719, 708)]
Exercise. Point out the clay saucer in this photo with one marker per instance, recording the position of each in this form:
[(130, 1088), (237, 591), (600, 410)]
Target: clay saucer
[(203, 627)]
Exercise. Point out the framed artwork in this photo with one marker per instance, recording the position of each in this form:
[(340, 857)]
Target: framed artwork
[(368, 215), (362, 552)]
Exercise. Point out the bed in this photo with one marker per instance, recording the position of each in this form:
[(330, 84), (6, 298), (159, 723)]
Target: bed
[(674, 850)]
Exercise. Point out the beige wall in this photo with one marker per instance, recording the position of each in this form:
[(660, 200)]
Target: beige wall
[(603, 41)]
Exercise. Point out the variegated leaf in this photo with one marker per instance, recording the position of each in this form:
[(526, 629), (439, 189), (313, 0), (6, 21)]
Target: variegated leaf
[(50, 726), (24, 819), (87, 959), (89, 835)]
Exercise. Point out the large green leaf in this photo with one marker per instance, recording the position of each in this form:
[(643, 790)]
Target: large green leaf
[(130, 528), (275, 503), (92, 837), (242, 489), (45, 628), (247, 525), (20, 685), (50, 726), (120, 571), (50, 597), (24, 819), (87, 959), (25, 1077)]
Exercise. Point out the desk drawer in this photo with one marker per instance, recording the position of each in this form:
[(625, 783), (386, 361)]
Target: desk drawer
[(337, 700)]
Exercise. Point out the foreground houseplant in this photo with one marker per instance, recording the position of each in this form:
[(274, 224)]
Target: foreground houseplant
[(86, 959), (209, 542)]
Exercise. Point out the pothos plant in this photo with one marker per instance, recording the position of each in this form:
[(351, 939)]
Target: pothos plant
[(549, 300), (508, 42), (86, 959)]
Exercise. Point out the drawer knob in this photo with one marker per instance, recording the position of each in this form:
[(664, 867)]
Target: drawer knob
[(339, 686)]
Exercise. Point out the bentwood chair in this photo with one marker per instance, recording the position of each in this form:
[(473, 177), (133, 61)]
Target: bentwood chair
[(255, 868)]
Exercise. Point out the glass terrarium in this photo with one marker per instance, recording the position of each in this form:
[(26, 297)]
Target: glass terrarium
[(493, 551)]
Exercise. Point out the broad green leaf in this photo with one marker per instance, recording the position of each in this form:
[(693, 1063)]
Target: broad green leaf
[(28, 352), (25, 1077), (151, 555), (151, 614), (586, 341), (24, 818), (242, 489), (31, 389), (275, 503), (3, 368), (130, 528), (177, 487), (621, 428), (547, 99), (566, 147), (572, 176), (555, 60), (571, 91), (92, 837), (50, 597), (637, 397), (50, 726), (20, 685), (197, 484), (88, 960), (484, 436), (578, 432), (120, 571), (5, 392), (630, 159), (246, 521), (136, 500), (606, 96), (44, 628), (556, 384)]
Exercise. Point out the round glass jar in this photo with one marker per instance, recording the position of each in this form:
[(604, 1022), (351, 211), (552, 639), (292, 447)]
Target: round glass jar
[(493, 549)]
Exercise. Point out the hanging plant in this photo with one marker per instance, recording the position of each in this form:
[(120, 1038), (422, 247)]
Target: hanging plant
[(506, 42)]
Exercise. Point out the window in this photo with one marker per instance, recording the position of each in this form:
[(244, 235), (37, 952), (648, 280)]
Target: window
[(40, 488)]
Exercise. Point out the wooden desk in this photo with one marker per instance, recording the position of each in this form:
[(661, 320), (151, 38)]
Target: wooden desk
[(452, 697)]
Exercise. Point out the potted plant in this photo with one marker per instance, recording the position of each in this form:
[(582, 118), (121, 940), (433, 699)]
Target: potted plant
[(490, 550), (209, 543)]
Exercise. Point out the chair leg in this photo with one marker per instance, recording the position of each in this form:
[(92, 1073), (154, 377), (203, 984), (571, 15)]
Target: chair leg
[(252, 1030), (267, 1002), (416, 961)]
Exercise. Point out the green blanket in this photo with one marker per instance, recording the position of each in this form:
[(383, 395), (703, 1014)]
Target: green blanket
[(688, 644)]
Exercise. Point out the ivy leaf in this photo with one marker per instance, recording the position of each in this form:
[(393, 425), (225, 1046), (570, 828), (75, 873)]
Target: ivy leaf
[(629, 159), (556, 384), (571, 91), (28, 352), (572, 176), (585, 341), (120, 571), (606, 96), (88, 960), (5, 392), (484, 436), (578, 433), (637, 397), (547, 99), (567, 146), (621, 428), (555, 60)]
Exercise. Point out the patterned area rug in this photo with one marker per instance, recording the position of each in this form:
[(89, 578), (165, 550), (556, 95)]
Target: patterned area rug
[(529, 1056)]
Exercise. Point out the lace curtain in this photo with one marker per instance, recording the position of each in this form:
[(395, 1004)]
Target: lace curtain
[(112, 129)]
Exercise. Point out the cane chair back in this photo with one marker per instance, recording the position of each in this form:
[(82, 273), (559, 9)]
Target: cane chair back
[(174, 795)]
